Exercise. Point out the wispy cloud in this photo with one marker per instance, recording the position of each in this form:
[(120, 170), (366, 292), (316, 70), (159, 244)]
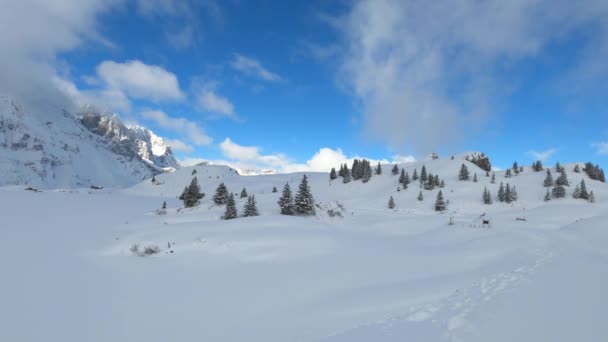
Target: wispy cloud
[(189, 129), (252, 67), (601, 148), (542, 155), (210, 101)]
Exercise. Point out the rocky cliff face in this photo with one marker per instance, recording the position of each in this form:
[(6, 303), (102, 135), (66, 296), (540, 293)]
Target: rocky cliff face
[(54, 148)]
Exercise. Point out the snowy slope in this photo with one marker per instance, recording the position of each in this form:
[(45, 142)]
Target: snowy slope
[(53, 148), (372, 275)]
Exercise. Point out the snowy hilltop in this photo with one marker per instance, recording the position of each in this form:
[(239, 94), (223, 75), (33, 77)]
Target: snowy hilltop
[(55, 148)]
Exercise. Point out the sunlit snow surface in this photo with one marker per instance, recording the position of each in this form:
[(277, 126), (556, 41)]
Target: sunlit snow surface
[(373, 275)]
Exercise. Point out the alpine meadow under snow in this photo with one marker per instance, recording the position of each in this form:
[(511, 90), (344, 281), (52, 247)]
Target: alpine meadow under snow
[(135, 264)]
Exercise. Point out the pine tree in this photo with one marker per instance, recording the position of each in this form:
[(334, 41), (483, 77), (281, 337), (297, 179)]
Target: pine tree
[(243, 193), (153, 179), (251, 208), (415, 175), (475, 177), (548, 180), (584, 193), (442, 184), (230, 212), (192, 194), (538, 166), (402, 176), (274, 189), (487, 196), (515, 167), (165, 204), (493, 181), (436, 180), (558, 167), (304, 202), (378, 169), (221, 194), (508, 173), (332, 174), (439, 202), (577, 169), (548, 196), (183, 195), (355, 170), (367, 171), (514, 194), (501, 193), (508, 194), (558, 191), (562, 179), (577, 192), (395, 170), (423, 175), (591, 197), (391, 203), (406, 179), (420, 197), (347, 177), (193, 172), (286, 201), (463, 175), (487, 173)]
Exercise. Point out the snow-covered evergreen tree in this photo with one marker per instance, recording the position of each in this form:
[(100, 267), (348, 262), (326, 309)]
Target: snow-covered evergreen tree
[(230, 212), (548, 196), (243, 193), (221, 194), (562, 179), (508, 194), (420, 197), (493, 181), (378, 169), (584, 194), (165, 204), (402, 176), (475, 177), (515, 167), (508, 173), (577, 169), (347, 177), (487, 173), (548, 180), (286, 201), (193, 194), (251, 208), (367, 171), (415, 175), (538, 166), (442, 184), (406, 179), (391, 203), (577, 192), (487, 196), (591, 197), (514, 194), (463, 175), (395, 170), (558, 191), (423, 174), (183, 195), (558, 167), (332, 174), (501, 193), (274, 189), (153, 179), (440, 204), (304, 203)]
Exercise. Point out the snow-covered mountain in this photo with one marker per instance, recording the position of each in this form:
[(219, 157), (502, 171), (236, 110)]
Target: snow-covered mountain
[(55, 148)]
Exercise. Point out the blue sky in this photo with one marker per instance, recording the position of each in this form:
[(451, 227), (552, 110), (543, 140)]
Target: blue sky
[(296, 85)]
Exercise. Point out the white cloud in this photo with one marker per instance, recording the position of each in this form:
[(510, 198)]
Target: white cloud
[(189, 129), (250, 158), (254, 68), (140, 80), (178, 145), (602, 148), (208, 100), (103, 99), (426, 70), (33, 33), (543, 155)]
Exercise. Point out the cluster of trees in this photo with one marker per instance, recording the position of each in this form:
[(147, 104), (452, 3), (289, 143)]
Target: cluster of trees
[(192, 195), (594, 172), (580, 192), (537, 166), (361, 170), (507, 194), (302, 204), (487, 196), (482, 161)]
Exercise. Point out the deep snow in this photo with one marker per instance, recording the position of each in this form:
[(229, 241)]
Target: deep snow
[(374, 275)]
